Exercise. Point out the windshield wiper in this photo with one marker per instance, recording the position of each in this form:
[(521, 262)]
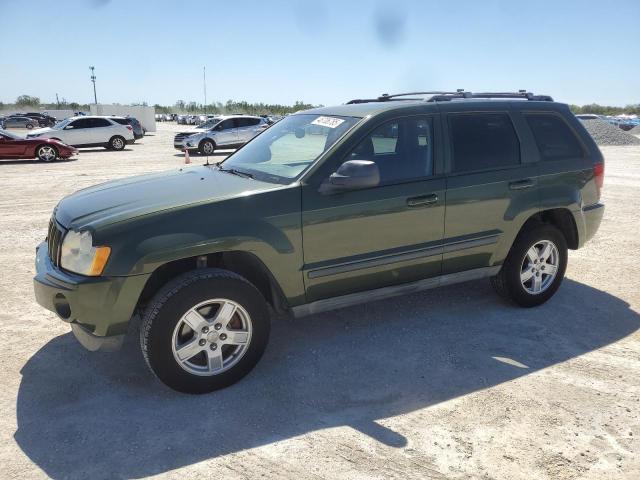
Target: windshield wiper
[(235, 172)]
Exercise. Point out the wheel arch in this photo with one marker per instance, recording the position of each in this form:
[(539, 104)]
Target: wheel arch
[(562, 219), (243, 263)]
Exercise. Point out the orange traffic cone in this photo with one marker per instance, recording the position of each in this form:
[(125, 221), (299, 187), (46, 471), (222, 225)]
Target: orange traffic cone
[(187, 159)]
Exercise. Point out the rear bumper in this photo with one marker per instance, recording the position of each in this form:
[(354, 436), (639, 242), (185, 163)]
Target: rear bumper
[(130, 142), (98, 308), (588, 221)]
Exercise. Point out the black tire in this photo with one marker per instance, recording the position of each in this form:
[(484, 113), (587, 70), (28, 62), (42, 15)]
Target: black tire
[(175, 299), (117, 143), (40, 153), (507, 283), (29, 126), (207, 147)]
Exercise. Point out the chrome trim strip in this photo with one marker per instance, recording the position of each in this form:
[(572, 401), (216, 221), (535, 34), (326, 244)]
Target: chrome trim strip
[(402, 257), (392, 291)]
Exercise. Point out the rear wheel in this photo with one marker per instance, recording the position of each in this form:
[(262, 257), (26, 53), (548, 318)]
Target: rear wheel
[(29, 126), (534, 268), (207, 147), (47, 153), (204, 331), (117, 143)]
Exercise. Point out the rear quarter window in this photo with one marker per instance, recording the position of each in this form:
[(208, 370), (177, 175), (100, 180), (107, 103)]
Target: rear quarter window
[(555, 140)]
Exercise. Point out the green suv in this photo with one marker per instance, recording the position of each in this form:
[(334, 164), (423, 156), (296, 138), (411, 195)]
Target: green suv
[(327, 208)]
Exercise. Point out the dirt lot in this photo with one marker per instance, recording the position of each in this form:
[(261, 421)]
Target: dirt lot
[(451, 383)]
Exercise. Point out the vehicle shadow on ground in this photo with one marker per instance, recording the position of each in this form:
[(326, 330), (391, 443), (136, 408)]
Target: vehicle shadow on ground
[(34, 161), (104, 150), (96, 415)]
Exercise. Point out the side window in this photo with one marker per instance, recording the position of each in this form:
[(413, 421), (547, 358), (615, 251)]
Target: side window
[(242, 122), (252, 122), (100, 122), (226, 125), (402, 149), (82, 123), (482, 141), (121, 121), (553, 136)]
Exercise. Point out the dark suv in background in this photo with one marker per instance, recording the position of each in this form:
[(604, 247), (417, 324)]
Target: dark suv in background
[(327, 208), (138, 131)]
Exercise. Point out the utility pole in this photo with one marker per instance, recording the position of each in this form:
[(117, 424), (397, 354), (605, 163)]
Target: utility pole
[(57, 101), (93, 79), (204, 82)]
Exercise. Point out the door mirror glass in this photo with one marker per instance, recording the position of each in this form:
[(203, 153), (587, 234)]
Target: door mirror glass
[(352, 175)]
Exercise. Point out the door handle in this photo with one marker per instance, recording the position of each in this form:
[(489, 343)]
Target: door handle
[(521, 184), (422, 200)]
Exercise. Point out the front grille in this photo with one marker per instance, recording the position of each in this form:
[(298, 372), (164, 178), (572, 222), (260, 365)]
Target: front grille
[(54, 240), (180, 136)]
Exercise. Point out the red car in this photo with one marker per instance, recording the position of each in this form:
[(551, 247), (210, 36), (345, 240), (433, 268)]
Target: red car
[(45, 149)]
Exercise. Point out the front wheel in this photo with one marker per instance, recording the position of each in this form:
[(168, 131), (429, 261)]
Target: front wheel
[(47, 153), (207, 147), (205, 330), (117, 143), (534, 268)]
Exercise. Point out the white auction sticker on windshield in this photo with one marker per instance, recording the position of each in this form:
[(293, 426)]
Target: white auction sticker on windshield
[(330, 122)]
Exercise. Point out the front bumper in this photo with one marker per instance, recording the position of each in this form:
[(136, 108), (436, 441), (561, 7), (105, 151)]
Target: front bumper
[(98, 308)]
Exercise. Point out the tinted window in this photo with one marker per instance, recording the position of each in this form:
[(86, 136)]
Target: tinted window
[(121, 121), (402, 149), (553, 136), (483, 141), (99, 122), (227, 124), (82, 123)]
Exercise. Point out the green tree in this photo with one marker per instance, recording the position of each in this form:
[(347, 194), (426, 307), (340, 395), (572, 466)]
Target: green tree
[(27, 101)]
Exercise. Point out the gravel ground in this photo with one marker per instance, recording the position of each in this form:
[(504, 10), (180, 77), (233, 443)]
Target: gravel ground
[(606, 134), (450, 383)]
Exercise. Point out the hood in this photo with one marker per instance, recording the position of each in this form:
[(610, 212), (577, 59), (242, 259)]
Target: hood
[(124, 199)]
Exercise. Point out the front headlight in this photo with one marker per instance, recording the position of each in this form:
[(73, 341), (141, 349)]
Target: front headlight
[(80, 256)]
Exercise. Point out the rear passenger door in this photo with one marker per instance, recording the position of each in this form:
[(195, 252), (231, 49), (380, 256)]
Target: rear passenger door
[(247, 128), (102, 130), (76, 132), (491, 186)]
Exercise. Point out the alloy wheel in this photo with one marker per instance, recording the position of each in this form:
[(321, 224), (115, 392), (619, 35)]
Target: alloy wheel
[(211, 337), (47, 153), (539, 267)]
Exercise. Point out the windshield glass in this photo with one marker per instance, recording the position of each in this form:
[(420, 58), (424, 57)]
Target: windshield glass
[(62, 123), (10, 135), (285, 150)]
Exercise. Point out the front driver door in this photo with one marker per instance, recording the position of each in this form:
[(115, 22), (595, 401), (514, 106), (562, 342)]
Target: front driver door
[(387, 235), (226, 133)]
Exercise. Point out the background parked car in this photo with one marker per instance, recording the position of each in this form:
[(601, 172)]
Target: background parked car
[(138, 131), (89, 131), (19, 122), (229, 132), (45, 149), (43, 119)]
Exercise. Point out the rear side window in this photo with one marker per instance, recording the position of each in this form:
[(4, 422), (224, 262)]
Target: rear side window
[(553, 136), (247, 122), (482, 141), (121, 121)]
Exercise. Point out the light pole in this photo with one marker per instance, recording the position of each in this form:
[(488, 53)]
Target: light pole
[(204, 84), (93, 79)]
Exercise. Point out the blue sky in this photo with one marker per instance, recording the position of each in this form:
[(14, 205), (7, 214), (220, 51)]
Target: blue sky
[(317, 51)]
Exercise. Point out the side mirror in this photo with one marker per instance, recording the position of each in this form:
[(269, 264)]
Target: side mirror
[(352, 175)]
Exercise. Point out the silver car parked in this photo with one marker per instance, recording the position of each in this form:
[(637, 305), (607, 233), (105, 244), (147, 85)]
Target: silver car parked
[(229, 132), (19, 122)]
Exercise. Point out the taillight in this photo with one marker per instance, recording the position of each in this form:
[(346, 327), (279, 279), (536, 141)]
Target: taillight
[(598, 176), (130, 128)]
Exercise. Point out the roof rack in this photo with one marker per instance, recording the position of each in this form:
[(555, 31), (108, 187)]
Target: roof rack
[(459, 93)]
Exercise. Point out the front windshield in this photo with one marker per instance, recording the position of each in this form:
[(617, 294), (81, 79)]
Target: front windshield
[(285, 150), (10, 135), (62, 123)]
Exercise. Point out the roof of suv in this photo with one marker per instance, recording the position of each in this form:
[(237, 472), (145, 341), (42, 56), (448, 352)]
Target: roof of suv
[(366, 107)]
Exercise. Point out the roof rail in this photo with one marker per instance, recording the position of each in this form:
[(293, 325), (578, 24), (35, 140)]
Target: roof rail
[(459, 93)]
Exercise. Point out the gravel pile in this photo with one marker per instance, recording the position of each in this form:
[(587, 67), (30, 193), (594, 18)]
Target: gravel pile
[(635, 130), (606, 134)]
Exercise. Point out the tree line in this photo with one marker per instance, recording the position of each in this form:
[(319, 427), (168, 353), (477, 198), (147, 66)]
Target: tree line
[(257, 108), (24, 102)]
